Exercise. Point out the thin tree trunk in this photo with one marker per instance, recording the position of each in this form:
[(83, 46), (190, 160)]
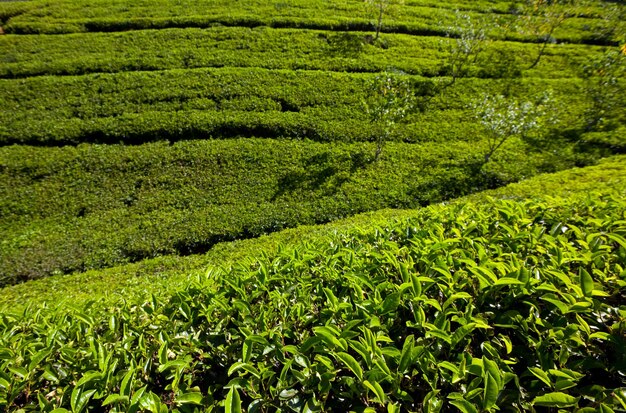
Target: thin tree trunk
[(544, 45), (495, 148), (541, 51), (379, 26), (379, 150)]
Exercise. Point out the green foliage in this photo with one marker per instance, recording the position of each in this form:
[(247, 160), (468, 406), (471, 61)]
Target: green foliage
[(609, 173), (516, 304), (504, 118), (260, 47), (73, 209), (474, 306), (420, 17), (136, 107), (613, 139), (389, 100), (161, 275), (382, 9), (605, 90), (544, 17), (12, 9), (470, 40)]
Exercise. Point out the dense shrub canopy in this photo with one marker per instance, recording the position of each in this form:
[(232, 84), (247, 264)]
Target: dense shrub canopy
[(515, 304), (147, 147)]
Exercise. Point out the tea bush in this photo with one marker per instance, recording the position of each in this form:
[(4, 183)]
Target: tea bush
[(230, 102), (132, 282), (93, 206), (261, 47), (517, 305), (416, 17)]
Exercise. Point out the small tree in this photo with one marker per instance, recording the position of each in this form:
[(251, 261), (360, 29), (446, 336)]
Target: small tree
[(544, 17), (390, 99), (504, 118), (470, 39), (381, 8), (604, 90)]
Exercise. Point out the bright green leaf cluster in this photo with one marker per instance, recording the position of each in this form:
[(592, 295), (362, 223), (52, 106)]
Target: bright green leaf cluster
[(515, 304)]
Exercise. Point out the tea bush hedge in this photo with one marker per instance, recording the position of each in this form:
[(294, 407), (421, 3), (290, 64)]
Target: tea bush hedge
[(415, 17), (93, 206), (504, 304), (229, 102), (517, 305), (269, 48), (132, 282)]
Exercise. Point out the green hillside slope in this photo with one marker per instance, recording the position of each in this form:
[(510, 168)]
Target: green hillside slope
[(498, 303), (135, 282), (273, 97), (138, 107), (268, 48), (416, 16), (71, 209), (195, 206)]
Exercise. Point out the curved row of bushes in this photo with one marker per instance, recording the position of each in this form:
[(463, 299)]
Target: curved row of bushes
[(416, 17), (75, 208), (269, 48), (503, 305), (231, 102), (159, 276)]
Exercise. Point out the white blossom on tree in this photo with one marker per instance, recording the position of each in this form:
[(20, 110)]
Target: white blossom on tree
[(503, 118), (390, 99), (470, 37)]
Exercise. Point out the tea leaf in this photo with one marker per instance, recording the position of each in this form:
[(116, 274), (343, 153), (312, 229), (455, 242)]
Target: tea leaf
[(555, 399), (586, 282), (460, 333), (391, 302), (190, 398), (490, 394), (464, 406), (127, 383), (377, 389), (351, 363), (233, 402), (114, 398), (541, 375), (605, 409), (79, 399), (417, 285)]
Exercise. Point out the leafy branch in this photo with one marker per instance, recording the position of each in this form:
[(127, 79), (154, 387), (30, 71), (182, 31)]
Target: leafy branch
[(504, 117), (544, 17), (470, 40), (390, 99)]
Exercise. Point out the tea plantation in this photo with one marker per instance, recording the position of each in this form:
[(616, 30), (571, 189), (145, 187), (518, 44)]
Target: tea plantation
[(303, 206)]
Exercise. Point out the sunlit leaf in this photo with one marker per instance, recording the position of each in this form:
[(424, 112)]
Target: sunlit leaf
[(586, 282), (541, 375), (377, 389), (555, 399), (233, 402), (464, 406), (351, 363), (491, 391), (189, 398), (460, 333), (114, 398)]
